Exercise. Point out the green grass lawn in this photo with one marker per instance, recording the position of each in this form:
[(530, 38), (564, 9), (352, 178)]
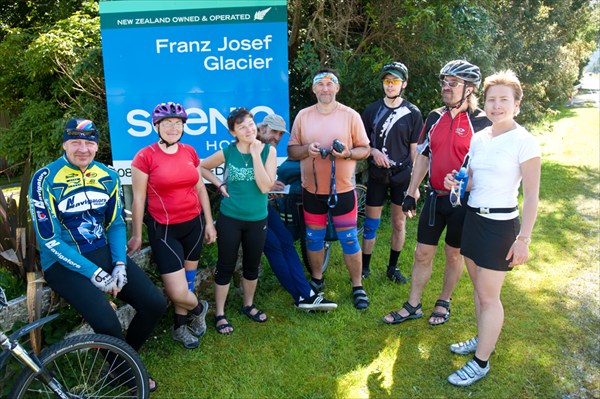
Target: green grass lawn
[(548, 347)]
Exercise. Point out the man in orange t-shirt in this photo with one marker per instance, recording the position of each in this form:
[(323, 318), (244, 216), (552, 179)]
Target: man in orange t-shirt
[(328, 138)]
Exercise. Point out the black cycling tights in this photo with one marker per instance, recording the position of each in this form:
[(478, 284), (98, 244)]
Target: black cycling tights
[(231, 233), (93, 305)]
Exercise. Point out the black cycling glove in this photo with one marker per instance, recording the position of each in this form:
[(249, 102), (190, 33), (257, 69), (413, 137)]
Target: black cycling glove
[(409, 204)]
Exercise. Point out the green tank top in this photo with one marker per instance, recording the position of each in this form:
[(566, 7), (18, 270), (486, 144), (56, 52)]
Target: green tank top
[(246, 201)]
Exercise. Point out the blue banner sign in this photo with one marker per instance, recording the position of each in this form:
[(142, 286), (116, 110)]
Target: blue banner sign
[(209, 56)]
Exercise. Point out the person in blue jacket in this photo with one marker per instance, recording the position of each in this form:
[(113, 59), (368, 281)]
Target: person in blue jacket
[(76, 206), (279, 246)]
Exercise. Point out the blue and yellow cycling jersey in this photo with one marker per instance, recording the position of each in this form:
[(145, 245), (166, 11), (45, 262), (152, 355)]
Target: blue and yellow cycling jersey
[(75, 212)]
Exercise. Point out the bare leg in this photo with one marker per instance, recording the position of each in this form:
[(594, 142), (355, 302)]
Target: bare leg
[(421, 273), (177, 291), (472, 269), (220, 298), (398, 227), (315, 258), (491, 314), (354, 265), (452, 272), (249, 287)]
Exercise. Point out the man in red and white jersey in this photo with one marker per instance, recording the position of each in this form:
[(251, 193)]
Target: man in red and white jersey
[(443, 146)]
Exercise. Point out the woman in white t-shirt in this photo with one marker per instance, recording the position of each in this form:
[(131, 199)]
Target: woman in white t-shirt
[(494, 239)]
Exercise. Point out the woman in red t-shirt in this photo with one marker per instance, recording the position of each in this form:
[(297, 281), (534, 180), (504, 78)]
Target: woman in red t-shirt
[(167, 175)]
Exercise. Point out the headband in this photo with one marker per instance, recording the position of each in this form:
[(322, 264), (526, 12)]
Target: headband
[(325, 76)]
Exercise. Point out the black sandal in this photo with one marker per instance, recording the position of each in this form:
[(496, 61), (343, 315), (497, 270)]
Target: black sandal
[(256, 316), (221, 327), (150, 387), (412, 314), (361, 300), (446, 316)]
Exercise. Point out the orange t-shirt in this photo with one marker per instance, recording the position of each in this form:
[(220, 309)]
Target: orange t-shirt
[(311, 126)]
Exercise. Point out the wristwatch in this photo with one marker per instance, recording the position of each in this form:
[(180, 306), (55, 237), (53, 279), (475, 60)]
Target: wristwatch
[(526, 240), (350, 155)]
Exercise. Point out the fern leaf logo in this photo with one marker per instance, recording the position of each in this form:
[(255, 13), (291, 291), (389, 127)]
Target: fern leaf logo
[(260, 15)]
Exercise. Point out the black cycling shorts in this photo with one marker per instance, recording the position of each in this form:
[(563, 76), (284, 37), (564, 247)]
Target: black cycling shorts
[(173, 244), (446, 217), (376, 193)]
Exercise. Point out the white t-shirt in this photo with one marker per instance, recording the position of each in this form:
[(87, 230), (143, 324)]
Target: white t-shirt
[(496, 166)]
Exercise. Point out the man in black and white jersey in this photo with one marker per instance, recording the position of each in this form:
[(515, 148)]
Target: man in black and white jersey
[(393, 126)]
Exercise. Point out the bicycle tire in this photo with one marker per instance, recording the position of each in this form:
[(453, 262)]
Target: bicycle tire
[(90, 366), (361, 205)]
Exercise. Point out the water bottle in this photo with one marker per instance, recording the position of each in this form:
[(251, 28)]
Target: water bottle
[(463, 178)]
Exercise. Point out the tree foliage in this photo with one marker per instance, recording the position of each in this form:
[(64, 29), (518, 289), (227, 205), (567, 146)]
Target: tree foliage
[(50, 70), (51, 59)]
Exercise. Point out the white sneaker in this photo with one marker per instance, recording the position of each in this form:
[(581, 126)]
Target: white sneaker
[(316, 302), (464, 348), (198, 323), (468, 374)]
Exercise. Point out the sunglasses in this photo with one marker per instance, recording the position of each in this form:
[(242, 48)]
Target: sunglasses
[(392, 81), (455, 196), (237, 115), (451, 83)]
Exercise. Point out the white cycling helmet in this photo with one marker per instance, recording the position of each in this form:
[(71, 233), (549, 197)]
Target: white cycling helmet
[(462, 69)]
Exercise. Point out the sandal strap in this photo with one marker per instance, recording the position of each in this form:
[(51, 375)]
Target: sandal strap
[(360, 295), (221, 317), (410, 308), (444, 304), (248, 309), (438, 314)]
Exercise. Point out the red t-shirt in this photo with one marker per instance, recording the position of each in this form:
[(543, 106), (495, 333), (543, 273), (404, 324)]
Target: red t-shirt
[(172, 195), (446, 141)]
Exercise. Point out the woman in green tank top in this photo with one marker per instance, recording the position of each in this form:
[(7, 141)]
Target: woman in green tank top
[(250, 168)]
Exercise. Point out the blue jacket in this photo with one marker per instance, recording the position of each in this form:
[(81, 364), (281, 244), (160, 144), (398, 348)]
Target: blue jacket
[(75, 212)]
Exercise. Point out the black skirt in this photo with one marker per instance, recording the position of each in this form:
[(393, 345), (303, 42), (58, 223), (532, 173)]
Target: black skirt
[(487, 241)]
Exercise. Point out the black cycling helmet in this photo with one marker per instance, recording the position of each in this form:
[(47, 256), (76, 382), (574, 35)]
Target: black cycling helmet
[(395, 68), (462, 69), (80, 129)]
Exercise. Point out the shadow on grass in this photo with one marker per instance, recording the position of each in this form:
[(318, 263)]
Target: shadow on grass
[(563, 189), (352, 354), (538, 338)]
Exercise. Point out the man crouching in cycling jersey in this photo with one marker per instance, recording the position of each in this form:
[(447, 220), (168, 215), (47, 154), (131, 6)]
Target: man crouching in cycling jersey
[(76, 206)]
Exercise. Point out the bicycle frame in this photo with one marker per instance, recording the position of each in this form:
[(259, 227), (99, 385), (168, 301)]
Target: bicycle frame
[(11, 347)]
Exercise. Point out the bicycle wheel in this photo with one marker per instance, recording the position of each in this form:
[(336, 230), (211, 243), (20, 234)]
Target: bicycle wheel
[(304, 251), (88, 366), (361, 204)]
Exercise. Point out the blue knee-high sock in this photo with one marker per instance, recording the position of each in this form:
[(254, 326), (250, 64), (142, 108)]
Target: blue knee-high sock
[(190, 276)]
